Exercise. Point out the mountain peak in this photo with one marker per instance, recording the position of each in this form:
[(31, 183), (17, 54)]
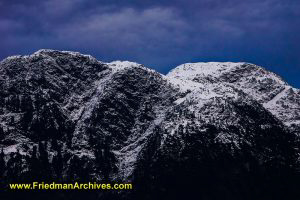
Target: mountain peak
[(51, 52), (204, 68), (264, 86), (43, 51), (121, 65)]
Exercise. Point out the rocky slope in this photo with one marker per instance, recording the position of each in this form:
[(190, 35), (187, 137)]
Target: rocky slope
[(230, 129), (277, 96)]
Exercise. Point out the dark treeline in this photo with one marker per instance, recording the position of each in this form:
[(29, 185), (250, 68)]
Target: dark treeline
[(59, 167), (212, 171)]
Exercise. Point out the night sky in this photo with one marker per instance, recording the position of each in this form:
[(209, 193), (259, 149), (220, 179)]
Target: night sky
[(159, 34)]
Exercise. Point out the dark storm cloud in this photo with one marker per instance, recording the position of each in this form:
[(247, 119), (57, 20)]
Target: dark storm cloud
[(160, 34)]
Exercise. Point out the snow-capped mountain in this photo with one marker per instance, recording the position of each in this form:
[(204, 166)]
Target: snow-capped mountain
[(267, 88), (220, 127)]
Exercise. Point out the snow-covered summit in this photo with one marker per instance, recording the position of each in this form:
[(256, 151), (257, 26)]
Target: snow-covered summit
[(191, 70), (51, 51), (119, 65), (219, 70), (262, 85)]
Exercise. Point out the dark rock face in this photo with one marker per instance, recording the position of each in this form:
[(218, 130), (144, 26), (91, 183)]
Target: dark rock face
[(205, 131)]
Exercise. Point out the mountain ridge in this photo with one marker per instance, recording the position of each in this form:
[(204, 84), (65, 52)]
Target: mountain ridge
[(122, 121)]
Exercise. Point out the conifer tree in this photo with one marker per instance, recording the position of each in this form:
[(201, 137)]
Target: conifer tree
[(14, 166), (58, 163), (2, 163), (1, 133), (44, 161), (34, 165)]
